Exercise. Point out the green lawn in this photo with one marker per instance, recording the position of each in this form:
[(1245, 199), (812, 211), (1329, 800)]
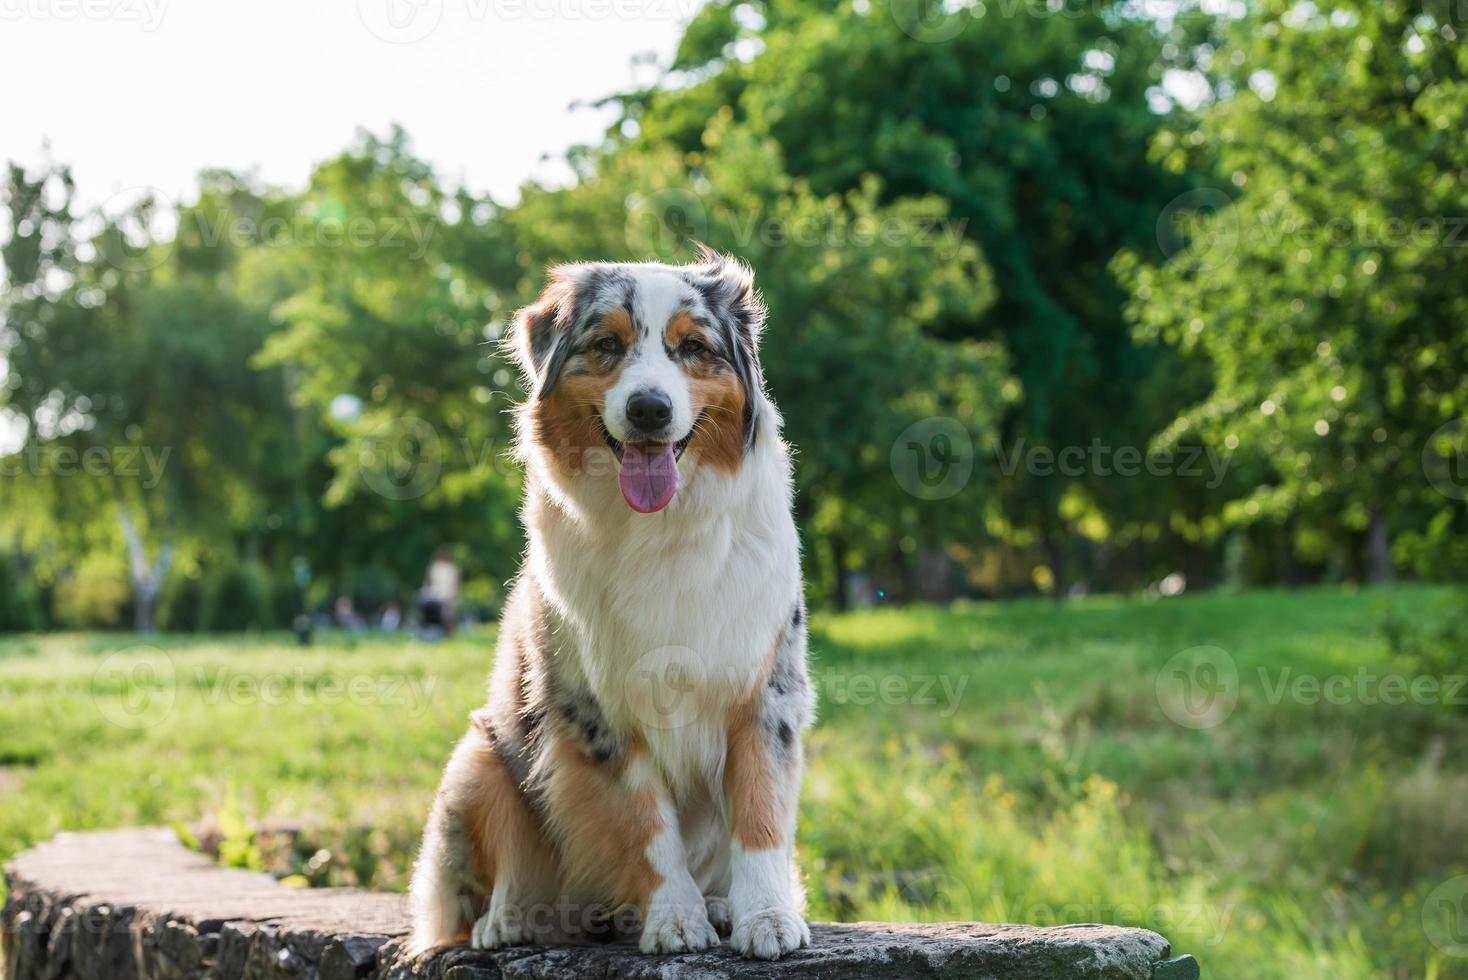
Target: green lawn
[(1021, 761)]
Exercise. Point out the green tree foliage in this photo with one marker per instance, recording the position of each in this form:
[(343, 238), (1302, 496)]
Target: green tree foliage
[(983, 231), (1032, 124), (1327, 289), (129, 376), (850, 355)]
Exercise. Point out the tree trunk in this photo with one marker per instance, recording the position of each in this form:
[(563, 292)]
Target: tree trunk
[(1055, 556), (838, 560), (147, 577), (1379, 551), (1289, 575)]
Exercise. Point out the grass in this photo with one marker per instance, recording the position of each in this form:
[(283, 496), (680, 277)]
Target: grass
[(1167, 764)]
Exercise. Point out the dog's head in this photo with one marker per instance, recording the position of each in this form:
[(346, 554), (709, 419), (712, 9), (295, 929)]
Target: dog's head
[(658, 364)]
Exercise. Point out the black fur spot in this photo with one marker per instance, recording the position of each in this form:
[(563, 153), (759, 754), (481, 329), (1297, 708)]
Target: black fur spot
[(786, 734)]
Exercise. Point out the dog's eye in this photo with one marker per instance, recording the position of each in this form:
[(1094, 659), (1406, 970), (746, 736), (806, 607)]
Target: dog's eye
[(691, 347), (608, 345)]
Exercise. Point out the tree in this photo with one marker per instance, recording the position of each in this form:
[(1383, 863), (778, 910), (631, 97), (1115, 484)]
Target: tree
[(1328, 286), (1032, 123), (132, 386)]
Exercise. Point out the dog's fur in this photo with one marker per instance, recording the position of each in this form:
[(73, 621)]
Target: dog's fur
[(641, 748)]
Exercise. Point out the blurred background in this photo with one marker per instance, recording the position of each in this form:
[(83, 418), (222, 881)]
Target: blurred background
[(1122, 346)]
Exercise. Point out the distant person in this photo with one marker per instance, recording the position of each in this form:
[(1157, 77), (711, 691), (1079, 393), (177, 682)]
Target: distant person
[(440, 594), (392, 618), (346, 614)]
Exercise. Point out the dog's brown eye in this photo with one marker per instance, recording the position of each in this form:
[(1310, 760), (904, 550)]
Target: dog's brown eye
[(691, 347), (608, 345)]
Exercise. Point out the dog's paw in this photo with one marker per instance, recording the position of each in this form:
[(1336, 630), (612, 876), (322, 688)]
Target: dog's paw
[(720, 917), (769, 934), (677, 929), (495, 931)]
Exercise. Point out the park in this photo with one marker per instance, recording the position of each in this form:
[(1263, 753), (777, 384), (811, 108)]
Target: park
[(1101, 366)]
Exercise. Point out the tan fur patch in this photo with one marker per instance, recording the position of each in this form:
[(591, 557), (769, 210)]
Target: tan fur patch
[(602, 836), (718, 402), (565, 425), (496, 821), (758, 807)]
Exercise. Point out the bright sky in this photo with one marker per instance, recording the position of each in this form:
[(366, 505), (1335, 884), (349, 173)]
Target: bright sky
[(145, 93)]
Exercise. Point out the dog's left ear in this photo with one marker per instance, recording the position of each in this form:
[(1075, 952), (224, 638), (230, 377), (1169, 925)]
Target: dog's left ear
[(728, 285), (540, 339)]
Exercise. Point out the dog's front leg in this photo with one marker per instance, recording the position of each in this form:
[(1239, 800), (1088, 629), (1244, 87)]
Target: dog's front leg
[(675, 918), (761, 784)]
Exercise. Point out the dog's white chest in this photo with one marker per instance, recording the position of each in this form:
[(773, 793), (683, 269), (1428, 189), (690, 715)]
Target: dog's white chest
[(673, 621)]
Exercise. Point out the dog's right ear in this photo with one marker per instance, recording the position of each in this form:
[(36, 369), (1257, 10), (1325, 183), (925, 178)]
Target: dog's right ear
[(540, 339)]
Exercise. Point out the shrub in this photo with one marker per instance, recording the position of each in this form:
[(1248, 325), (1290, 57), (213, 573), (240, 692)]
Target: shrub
[(236, 598), (92, 599), (20, 607), (372, 587), (181, 605)]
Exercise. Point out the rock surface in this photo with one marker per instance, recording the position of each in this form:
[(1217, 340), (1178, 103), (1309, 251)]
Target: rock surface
[(137, 905)]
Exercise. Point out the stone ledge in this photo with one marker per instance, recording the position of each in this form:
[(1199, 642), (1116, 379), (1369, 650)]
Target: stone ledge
[(138, 905)]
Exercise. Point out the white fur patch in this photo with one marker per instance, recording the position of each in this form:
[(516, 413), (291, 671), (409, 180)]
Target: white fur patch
[(765, 904)]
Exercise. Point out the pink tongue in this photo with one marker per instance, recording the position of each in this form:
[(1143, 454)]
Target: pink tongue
[(649, 475)]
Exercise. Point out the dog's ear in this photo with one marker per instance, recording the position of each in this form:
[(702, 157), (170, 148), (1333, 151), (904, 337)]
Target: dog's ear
[(730, 283), (728, 286), (540, 338)]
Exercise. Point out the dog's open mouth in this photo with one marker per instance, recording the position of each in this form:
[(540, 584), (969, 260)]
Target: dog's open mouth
[(648, 471)]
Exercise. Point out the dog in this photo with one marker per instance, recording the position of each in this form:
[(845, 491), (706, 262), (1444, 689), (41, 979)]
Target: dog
[(638, 762)]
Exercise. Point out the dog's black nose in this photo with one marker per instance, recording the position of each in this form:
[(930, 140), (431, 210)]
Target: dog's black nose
[(649, 410)]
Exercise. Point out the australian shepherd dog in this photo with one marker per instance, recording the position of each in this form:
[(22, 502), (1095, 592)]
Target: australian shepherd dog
[(637, 764)]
